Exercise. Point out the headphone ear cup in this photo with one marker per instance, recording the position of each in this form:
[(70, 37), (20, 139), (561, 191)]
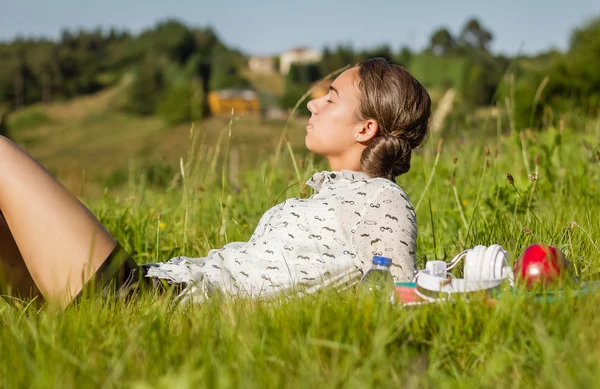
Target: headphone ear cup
[(490, 260), (469, 270), (483, 264), (474, 262), (498, 259), (503, 258)]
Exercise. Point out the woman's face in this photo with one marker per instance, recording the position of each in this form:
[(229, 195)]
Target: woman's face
[(332, 126)]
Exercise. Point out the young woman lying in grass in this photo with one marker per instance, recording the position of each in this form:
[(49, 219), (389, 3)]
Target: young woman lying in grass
[(366, 127)]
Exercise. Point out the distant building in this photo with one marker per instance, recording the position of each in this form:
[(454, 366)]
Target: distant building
[(265, 65), (242, 101), (300, 55)]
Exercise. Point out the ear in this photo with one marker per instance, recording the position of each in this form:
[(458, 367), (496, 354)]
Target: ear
[(367, 130)]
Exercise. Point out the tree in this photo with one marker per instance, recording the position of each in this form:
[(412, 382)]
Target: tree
[(327, 63), (575, 74), (147, 86), (226, 70), (297, 82), (171, 38), (4, 121), (404, 56), (200, 69), (206, 41), (382, 51), (26, 90), (345, 55), (441, 41), (475, 35), (171, 63), (43, 59), (333, 60)]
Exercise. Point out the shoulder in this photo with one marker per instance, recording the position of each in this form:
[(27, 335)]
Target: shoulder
[(391, 202), (389, 192)]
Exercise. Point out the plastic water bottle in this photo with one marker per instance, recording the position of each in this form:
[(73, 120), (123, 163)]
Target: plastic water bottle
[(378, 280)]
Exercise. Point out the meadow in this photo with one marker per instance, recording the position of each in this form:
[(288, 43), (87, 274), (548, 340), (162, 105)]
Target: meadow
[(165, 191)]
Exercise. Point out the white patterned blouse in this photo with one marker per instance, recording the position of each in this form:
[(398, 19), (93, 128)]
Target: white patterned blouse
[(302, 245)]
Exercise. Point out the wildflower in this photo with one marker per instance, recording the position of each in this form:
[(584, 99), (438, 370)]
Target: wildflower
[(455, 159), (526, 231), (162, 225), (533, 177), (510, 178)]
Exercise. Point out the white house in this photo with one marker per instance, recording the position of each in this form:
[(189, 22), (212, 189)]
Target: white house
[(301, 55), (259, 64)]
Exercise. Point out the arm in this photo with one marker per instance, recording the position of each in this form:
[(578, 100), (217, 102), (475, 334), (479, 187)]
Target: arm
[(388, 228)]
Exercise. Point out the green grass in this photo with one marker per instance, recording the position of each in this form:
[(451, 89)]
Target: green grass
[(328, 340), (93, 147), (32, 118)]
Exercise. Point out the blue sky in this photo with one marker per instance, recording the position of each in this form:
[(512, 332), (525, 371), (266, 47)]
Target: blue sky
[(271, 26)]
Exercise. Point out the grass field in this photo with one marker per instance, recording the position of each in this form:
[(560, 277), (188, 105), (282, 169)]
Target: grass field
[(324, 340)]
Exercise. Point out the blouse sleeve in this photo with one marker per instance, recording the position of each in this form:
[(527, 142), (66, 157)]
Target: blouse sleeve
[(388, 228)]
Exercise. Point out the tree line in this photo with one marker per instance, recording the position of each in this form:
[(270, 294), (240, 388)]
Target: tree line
[(531, 86), (169, 69), (173, 66)]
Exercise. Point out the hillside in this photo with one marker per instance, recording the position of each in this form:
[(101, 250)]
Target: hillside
[(90, 144)]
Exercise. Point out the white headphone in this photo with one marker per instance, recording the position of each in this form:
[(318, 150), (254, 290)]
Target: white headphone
[(484, 268)]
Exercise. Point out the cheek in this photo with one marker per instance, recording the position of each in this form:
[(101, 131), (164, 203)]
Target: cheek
[(333, 133), (338, 121), (329, 141)]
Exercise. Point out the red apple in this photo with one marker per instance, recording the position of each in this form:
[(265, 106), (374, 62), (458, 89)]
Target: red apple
[(540, 264)]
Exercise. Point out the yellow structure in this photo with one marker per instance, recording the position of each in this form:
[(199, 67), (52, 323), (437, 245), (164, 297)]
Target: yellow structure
[(242, 101), (320, 88)]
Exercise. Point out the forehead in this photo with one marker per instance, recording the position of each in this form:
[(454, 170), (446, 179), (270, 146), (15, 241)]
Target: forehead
[(347, 83)]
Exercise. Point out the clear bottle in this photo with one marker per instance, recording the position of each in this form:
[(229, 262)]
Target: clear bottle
[(378, 280)]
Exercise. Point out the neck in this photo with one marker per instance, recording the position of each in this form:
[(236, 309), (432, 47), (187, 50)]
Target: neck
[(337, 164), (348, 161)]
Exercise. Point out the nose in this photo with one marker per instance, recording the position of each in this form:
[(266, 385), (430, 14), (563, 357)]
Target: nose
[(312, 106)]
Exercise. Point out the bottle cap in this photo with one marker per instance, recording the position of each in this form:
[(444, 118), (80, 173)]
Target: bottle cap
[(379, 260)]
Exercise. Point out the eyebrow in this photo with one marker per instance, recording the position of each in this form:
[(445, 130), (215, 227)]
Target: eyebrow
[(335, 90)]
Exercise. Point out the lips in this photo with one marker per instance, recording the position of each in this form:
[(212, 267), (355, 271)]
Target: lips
[(309, 125)]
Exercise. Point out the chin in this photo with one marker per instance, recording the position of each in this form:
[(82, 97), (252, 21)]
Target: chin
[(315, 145), (309, 143)]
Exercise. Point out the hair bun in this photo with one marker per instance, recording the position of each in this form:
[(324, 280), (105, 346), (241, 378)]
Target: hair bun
[(387, 156)]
